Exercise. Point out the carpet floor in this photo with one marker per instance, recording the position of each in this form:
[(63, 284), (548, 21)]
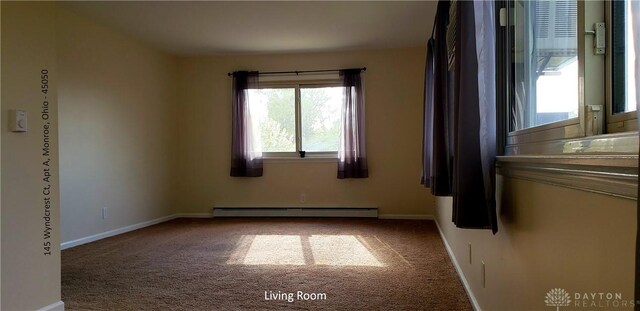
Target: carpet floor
[(265, 264)]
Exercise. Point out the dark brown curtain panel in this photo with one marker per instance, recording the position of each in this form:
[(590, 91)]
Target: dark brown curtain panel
[(460, 112), (474, 138), (427, 126), (438, 149), (352, 162), (246, 156)]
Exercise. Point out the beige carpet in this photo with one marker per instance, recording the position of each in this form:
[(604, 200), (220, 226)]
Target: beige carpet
[(231, 264)]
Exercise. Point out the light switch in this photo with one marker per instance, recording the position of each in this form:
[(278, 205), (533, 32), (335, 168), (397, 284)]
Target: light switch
[(17, 120)]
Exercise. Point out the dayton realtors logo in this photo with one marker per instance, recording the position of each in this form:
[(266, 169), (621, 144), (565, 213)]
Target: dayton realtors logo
[(557, 297)]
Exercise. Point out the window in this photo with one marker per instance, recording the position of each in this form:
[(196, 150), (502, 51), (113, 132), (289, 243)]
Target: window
[(563, 91), (320, 118), (294, 117), (622, 88), (273, 110), (545, 63)]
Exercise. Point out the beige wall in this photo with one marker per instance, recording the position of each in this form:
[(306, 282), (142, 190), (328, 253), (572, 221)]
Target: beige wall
[(549, 237), (30, 279), (116, 128), (393, 122)]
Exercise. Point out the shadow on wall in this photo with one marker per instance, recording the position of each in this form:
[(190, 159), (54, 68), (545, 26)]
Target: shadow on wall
[(506, 203)]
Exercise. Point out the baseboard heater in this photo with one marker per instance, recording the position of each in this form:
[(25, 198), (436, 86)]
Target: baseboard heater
[(295, 212)]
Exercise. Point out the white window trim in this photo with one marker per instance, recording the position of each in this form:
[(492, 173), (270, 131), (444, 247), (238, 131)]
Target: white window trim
[(297, 159), (614, 175)]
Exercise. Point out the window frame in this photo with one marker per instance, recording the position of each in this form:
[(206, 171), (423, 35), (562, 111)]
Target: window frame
[(297, 85), (624, 121), (565, 129), (586, 133)]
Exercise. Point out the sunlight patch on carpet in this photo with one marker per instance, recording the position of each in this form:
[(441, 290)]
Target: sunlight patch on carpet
[(341, 250), (328, 250), (275, 250)]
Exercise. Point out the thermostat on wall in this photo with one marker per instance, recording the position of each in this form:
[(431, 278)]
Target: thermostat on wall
[(17, 120)]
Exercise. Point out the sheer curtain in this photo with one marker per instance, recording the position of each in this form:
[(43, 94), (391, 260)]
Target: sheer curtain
[(246, 154), (352, 154)]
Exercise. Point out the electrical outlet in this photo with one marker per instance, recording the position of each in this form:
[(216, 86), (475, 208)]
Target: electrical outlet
[(470, 258), (303, 197), (104, 213)]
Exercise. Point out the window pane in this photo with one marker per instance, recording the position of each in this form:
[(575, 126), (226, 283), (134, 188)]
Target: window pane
[(320, 118), (623, 58), (273, 113), (545, 63)]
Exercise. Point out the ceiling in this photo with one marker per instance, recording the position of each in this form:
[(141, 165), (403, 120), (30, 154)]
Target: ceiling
[(197, 28)]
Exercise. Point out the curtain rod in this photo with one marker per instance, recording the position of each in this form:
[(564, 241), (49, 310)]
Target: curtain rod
[(299, 71)]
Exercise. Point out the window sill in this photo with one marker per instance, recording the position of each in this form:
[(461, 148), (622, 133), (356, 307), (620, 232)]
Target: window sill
[(618, 143), (615, 175), (307, 159)]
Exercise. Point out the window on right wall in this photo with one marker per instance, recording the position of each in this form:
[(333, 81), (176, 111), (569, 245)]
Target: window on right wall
[(566, 92), (623, 105)]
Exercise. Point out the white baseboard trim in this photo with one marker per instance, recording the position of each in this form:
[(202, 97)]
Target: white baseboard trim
[(56, 306), (288, 212), (465, 283), (193, 215), (405, 216), (380, 216), (110, 233)]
